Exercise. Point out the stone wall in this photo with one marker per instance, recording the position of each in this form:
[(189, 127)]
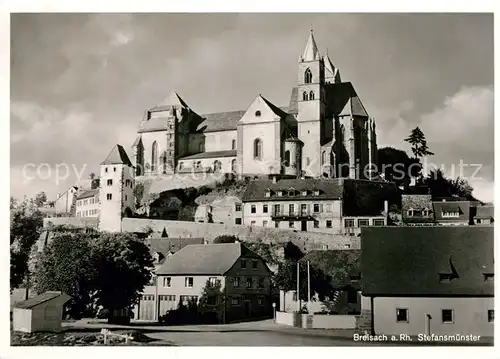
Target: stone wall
[(71, 221), (209, 231)]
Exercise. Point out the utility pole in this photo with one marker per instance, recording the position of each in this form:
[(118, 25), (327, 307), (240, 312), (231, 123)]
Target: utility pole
[(298, 281), (308, 288)]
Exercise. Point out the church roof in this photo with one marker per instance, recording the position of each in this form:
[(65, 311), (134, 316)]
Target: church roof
[(118, 155), (331, 70), (278, 111), (353, 107), (220, 121), (213, 154), (311, 52)]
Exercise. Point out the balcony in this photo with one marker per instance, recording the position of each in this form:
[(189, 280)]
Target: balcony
[(295, 215)]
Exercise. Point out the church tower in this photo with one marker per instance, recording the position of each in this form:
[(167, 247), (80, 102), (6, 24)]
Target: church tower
[(116, 190), (311, 106)]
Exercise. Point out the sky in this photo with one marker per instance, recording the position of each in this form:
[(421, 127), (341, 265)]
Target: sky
[(80, 83)]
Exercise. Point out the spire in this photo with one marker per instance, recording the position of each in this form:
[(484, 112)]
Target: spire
[(311, 52), (117, 156), (331, 72)]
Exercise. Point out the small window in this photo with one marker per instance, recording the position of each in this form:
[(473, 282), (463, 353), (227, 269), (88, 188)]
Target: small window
[(447, 315), (347, 246), (233, 144), (264, 208), (125, 197), (264, 223), (308, 161), (260, 301), (291, 224), (243, 264), (238, 207), (253, 209), (328, 223), (491, 316), (410, 213), (252, 223), (109, 196), (257, 113), (305, 97), (316, 224), (114, 169), (308, 76), (188, 282), (363, 222), (311, 95), (291, 208), (106, 169), (277, 209), (402, 315), (316, 192), (268, 193), (235, 301), (276, 224), (280, 193), (237, 221), (236, 282), (378, 222), (167, 282), (254, 264), (316, 208), (212, 281), (249, 282), (349, 223), (304, 193)]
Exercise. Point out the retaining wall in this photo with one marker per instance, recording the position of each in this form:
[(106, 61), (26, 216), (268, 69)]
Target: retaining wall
[(316, 321)]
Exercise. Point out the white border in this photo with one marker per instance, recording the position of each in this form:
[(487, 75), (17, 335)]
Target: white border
[(8, 6)]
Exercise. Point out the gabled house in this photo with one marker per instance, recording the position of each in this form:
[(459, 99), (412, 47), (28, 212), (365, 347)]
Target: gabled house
[(452, 213), (243, 276), (163, 248), (484, 215), (429, 280)]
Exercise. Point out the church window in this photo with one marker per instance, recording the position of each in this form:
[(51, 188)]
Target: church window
[(308, 76), (305, 96), (233, 166), (311, 95), (257, 149), (106, 169), (181, 165), (233, 144), (287, 158), (323, 157), (308, 161), (110, 182), (217, 166), (154, 156)]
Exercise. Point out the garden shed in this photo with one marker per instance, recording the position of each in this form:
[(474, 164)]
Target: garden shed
[(42, 313)]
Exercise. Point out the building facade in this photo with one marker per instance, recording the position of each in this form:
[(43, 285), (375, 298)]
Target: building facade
[(325, 131), (429, 280), (87, 203)]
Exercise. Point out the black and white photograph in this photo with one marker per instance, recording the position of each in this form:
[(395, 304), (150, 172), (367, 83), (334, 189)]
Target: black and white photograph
[(251, 179)]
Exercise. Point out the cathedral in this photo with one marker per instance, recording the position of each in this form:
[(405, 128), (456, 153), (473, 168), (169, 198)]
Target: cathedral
[(324, 132)]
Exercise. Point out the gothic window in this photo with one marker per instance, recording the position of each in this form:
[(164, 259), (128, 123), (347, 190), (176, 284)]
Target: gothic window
[(323, 157), (304, 96), (311, 95), (217, 166), (287, 158), (233, 145), (257, 149), (308, 161), (308, 76), (233, 166), (154, 156)]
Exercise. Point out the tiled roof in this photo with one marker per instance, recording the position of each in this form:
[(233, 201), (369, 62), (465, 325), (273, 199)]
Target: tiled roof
[(343, 265), (277, 111), (88, 193), (206, 259), (170, 245), (417, 202), (485, 212), (462, 207), (408, 261), (39, 299), (329, 189), (213, 154), (293, 107), (220, 121), (354, 107), (118, 155)]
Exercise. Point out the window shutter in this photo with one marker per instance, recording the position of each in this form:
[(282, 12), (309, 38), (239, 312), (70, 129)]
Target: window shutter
[(321, 208), (282, 208), (308, 208)]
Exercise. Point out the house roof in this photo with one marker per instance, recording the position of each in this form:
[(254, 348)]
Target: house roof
[(341, 265), (417, 202), (205, 259), (39, 299), (88, 193), (170, 245), (117, 156), (407, 261), (213, 154), (485, 212), (329, 189), (462, 207), (220, 121)]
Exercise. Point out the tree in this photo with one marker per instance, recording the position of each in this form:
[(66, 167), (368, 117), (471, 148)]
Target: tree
[(26, 222), (66, 265), (396, 166), (164, 233), (40, 199), (418, 143), (138, 194), (225, 238), (124, 267), (212, 301), (91, 175), (440, 186)]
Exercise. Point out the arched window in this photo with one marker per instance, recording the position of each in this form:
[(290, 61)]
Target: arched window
[(217, 166), (311, 95), (304, 96), (181, 165), (257, 149), (233, 145), (308, 76), (233, 166), (154, 156), (308, 161), (287, 158), (323, 157)]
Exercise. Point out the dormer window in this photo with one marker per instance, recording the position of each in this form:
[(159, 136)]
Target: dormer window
[(291, 192), (280, 193), (304, 192), (426, 212), (268, 193), (450, 214), (411, 212), (316, 192)]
